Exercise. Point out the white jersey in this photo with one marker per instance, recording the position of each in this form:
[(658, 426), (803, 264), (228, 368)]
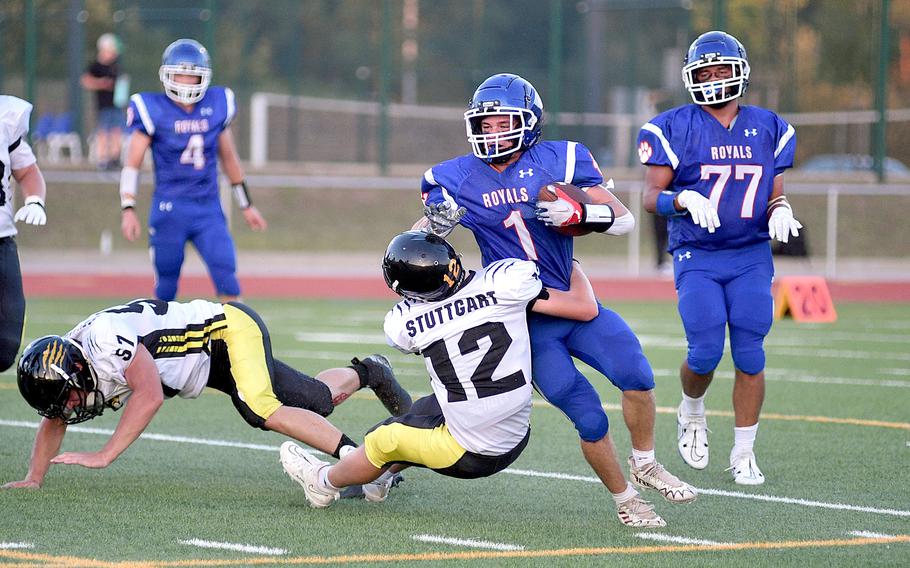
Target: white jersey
[(15, 154), (176, 334), (478, 353)]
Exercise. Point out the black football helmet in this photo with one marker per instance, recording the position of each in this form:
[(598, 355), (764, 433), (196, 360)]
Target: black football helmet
[(50, 368), (422, 266)]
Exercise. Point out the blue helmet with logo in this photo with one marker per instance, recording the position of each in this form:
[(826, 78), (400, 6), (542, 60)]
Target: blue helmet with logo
[(509, 95), (185, 57), (716, 48)]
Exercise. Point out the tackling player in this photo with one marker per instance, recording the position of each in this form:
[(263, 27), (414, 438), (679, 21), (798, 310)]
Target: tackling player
[(493, 191), (16, 162), (188, 129), (715, 168), (136, 355), (472, 330)]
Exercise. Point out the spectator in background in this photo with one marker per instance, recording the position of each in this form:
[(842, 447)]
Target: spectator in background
[(101, 77)]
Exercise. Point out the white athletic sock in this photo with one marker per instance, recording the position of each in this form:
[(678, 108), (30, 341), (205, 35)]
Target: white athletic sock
[(743, 440), (324, 478), (642, 458), (694, 406), (625, 495), (345, 450)]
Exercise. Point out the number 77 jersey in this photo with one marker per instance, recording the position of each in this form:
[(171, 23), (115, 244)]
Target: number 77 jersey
[(733, 167)]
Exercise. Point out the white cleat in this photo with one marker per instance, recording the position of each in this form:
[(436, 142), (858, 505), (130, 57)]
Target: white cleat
[(692, 438), (745, 470), (636, 512), (304, 468), (377, 490), (654, 476)]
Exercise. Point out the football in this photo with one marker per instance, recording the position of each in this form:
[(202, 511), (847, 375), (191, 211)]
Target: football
[(548, 193)]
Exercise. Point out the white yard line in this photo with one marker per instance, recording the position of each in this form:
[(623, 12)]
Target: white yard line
[(679, 539), (15, 545), (869, 534), (522, 472), (252, 549), (466, 542)]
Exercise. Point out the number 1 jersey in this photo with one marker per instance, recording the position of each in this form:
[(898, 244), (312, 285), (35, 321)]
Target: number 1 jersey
[(733, 167), (184, 144), (478, 353)]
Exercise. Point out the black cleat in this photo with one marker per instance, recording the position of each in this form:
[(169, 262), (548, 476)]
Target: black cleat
[(382, 380)]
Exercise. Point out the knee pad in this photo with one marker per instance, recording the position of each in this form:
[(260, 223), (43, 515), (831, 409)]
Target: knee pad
[(293, 388), (703, 359), (637, 375), (749, 360), (592, 425), (166, 288), (581, 403)]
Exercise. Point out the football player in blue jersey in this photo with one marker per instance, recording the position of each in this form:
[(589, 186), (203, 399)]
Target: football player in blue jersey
[(493, 191), (188, 129), (715, 169)]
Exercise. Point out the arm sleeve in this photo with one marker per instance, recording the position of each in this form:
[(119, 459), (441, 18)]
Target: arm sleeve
[(110, 346), (395, 332), (654, 146), (515, 281), (138, 117), (581, 167), (785, 148), (230, 107)]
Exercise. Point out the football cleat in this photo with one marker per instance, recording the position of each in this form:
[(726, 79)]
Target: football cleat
[(304, 468), (745, 470), (378, 490), (692, 438), (382, 380), (654, 476), (636, 512)]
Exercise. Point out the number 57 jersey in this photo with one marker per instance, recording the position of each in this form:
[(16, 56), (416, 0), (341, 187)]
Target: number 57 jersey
[(733, 167), (478, 352)]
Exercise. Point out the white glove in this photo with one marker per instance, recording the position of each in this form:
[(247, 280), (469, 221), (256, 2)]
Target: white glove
[(443, 217), (782, 224), (703, 213), (560, 212), (32, 212)]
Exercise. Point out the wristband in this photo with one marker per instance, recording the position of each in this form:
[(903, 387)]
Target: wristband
[(780, 201), (597, 216), (36, 200), (666, 205), (129, 187), (241, 195)]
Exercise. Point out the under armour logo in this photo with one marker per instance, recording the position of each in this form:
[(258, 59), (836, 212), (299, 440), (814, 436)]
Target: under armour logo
[(684, 256), (528, 172), (750, 132)]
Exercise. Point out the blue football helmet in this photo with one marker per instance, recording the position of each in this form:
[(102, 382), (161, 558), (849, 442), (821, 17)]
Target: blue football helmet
[(509, 95), (716, 48), (51, 367), (185, 57)]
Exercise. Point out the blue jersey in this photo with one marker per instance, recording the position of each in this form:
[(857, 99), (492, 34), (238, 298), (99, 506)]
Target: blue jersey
[(734, 168), (501, 206), (184, 144)]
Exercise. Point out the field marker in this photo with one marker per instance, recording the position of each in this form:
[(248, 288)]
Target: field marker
[(12, 545), (466, 542), (679, 539), (869, 534), (252, 549)]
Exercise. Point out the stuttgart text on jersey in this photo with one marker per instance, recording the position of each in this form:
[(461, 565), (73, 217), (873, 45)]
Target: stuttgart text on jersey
[(450, 311)]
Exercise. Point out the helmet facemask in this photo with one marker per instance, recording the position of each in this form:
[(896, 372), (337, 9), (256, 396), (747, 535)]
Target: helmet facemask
[(489, 146), (185, 93)]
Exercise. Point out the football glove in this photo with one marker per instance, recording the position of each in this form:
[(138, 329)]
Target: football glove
[(703, 213), (443, 217), (782, 224), (560, 212), (32, 212)]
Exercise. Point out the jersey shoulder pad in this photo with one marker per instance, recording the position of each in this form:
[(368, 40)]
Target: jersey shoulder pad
[(14, 117), (513, 279), (110, 346)]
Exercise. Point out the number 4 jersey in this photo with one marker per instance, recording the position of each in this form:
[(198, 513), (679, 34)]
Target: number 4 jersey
[(184, 144), (478, 353), (176, 334), (733, 167)]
